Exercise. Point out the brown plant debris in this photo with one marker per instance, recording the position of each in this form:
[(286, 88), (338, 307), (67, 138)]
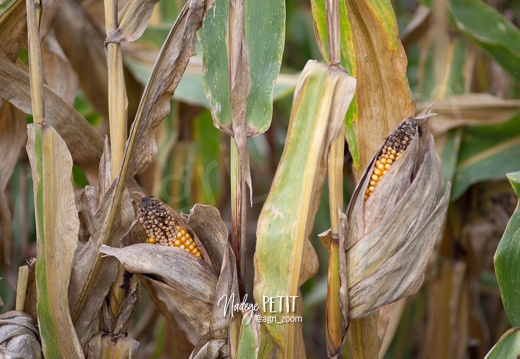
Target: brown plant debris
[(394, 147), (162, 228)]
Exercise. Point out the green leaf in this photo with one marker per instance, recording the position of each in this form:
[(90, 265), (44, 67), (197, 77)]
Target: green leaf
[(507, 261), (451, 80), (487, 152), (348, 60), (507, 347), (449, 155), (208, 176), (490, 30), (320, 103), (264, 32), (191, 88)]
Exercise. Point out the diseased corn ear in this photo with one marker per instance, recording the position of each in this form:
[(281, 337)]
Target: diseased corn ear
[(393, 220), (394, 147), (163, 228)]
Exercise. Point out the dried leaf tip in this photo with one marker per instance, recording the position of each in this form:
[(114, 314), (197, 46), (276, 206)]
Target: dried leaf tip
[(395, 145), (162, 228)]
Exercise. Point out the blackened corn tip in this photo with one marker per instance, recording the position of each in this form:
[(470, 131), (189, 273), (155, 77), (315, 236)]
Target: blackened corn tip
[(162, 228), (395, 145)]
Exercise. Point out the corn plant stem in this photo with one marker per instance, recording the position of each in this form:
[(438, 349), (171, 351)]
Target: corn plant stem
[(21, 287), (335, 181), (364, 343), (332, 9), (117, 112), (362, 332), (35, 61), (238, 216)]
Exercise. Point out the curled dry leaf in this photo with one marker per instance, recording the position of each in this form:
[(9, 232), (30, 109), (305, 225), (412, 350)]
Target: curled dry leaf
[(18, 336), (12, 138), (192, 285), (134, 19), (58, 72), (83, 141), (469, 110), (105, 345), (393, 220)]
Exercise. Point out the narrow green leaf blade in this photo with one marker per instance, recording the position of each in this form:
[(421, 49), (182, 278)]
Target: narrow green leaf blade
[(507, 347), (487, 152), (348, 60), (264, 32), (489, 30), (507, 261)]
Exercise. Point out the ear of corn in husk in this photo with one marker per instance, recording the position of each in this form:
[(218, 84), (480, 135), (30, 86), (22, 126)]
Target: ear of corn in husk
[(181, 282), (163, 228), (392, 224)]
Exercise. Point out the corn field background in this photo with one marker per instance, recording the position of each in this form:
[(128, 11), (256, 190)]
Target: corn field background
[(216, 109)]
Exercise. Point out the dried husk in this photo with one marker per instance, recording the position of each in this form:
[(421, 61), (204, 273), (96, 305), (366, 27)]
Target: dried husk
[(18, 336), (105, 345), (192, 285), (390, 237)]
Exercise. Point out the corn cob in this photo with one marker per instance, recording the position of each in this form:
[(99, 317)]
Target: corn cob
[(394, 147), (162, 228)]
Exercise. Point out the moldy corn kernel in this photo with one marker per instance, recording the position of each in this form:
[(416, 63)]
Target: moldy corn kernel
[(162, 228), (394, 147)]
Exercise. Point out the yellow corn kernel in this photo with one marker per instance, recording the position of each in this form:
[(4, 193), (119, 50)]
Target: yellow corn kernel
[(162, 228), (393, 149)]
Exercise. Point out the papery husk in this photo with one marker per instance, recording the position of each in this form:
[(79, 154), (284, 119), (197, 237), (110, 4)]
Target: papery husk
[(390, 236), (105, 345), (18, 336), (189, 281), (192, 285)]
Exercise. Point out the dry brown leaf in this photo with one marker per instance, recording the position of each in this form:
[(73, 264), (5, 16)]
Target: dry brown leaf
[(83, 142), (189, 282), (91, 276), (104, 345), (82, 43), (240, 87), (13, 30), (177, 321), (134, 18), (18, 336), (167, 72), (383, 94), (388, 322), (447, 329), (49, 10), (57, 70), (12, 138), (469, 110)]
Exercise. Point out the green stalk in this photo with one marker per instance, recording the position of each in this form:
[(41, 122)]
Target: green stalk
[(117, 111), (35, 61), (362, 332), (335, 179), (364, 343), (238, 216)]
